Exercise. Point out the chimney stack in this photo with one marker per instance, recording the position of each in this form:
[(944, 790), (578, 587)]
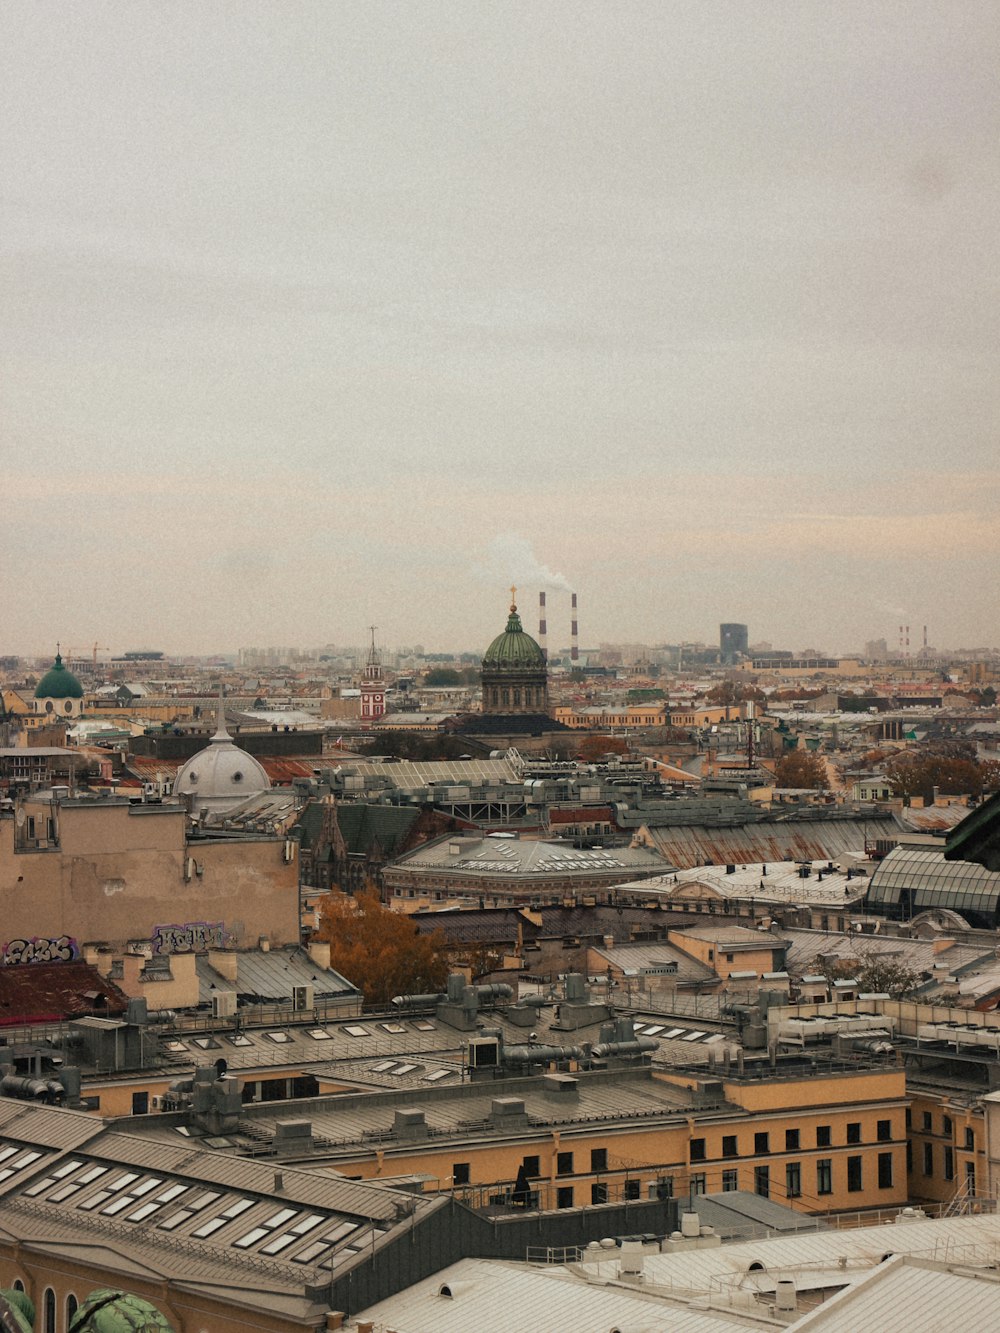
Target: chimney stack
[(542, 627), (574, 635)]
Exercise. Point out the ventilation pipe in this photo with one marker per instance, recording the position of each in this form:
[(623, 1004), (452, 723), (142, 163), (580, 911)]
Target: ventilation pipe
[(637, 1046)]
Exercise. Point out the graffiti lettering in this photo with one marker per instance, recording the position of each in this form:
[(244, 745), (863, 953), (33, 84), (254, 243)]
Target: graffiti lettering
[(192, 937), (60, 950)]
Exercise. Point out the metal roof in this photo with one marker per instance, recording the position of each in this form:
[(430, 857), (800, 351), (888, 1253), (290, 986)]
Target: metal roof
[(271, 976), (406, 775), (492, 1295), (511, 858), (796, 840), (911, 1295), (186, 1214)]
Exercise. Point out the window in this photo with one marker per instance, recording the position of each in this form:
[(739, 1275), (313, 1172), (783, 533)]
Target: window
[(883, 1131), (730, 1180), (854, 1180), (140, 1103), (824, 1176), (947, 1124), (793, 1179), (822, 1136), (970, 1141), (598, 1159), (599, 1192), (909, 1157), (729, 1146), (460, 1173), (970, 1178), (928, 1159), (564, 1196), (928, 1123), (909, 1118), (633, 1189), (949, 1162), (761, 1142), (791, 1140), (698, 1183), (762, 1181), (532, 1166), (697, 1150), (854, 1132), (49, 1305), (564, 1164), (885, 1170)]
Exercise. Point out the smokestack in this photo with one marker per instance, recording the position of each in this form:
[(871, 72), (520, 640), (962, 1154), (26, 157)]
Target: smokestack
[(574, 634), (542, 627)]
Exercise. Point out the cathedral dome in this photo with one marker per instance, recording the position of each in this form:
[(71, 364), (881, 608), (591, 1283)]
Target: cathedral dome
[(220, 777), (58, 683), (513, 650)]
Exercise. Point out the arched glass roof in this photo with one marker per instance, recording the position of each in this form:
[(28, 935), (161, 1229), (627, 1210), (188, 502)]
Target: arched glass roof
[(918, 878)]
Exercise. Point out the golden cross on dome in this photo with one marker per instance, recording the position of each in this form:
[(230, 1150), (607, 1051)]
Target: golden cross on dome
[(513, 597)]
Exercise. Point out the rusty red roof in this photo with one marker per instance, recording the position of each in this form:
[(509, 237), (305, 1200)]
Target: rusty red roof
[(50, 992)]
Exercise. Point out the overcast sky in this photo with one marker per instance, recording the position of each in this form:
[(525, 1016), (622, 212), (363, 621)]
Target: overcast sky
[(321, 315)]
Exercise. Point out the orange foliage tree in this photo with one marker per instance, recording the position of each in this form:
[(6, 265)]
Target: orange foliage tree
[(593, 748), (379, 950)]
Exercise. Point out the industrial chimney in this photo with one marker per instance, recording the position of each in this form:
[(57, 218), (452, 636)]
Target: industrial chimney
[(574, 635), (542, 627)]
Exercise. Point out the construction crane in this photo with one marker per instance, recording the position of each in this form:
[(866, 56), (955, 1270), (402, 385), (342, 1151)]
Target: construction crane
[(103, 648)]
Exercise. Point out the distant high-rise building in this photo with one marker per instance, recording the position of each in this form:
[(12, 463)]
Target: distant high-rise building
[(733, 642), (876, 650)]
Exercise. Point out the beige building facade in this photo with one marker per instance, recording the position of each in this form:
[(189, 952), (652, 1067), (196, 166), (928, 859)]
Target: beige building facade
[(110, 871)]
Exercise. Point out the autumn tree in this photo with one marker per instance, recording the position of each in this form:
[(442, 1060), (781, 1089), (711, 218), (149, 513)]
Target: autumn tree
[(593, 748), (801, 768), (379, 950), (876, 971), (913, 775)]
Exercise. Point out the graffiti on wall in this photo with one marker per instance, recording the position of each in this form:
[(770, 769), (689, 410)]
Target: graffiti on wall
[(192, 937), (62, 949)]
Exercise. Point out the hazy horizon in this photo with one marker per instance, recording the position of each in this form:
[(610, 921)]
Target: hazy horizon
[(321, 316)]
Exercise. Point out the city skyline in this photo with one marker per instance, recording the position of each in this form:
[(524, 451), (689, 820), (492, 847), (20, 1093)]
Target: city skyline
[(357, 314)]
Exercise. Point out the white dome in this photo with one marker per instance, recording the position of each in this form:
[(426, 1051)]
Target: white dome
[(220, 777)]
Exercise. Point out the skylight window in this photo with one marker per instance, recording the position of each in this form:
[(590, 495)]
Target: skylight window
[(320, 1034), (278, 1244), (67, 1168), (395, 1029), (279, 1038), (356, 1030), (311, 1252)]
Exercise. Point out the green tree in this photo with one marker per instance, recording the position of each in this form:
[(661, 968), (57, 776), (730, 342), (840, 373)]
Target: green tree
[(801, 768), (379, 950), (440, 676)]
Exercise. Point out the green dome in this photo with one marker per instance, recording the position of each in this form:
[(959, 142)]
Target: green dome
[(514, 650), (109, 1310), (58, 683)]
